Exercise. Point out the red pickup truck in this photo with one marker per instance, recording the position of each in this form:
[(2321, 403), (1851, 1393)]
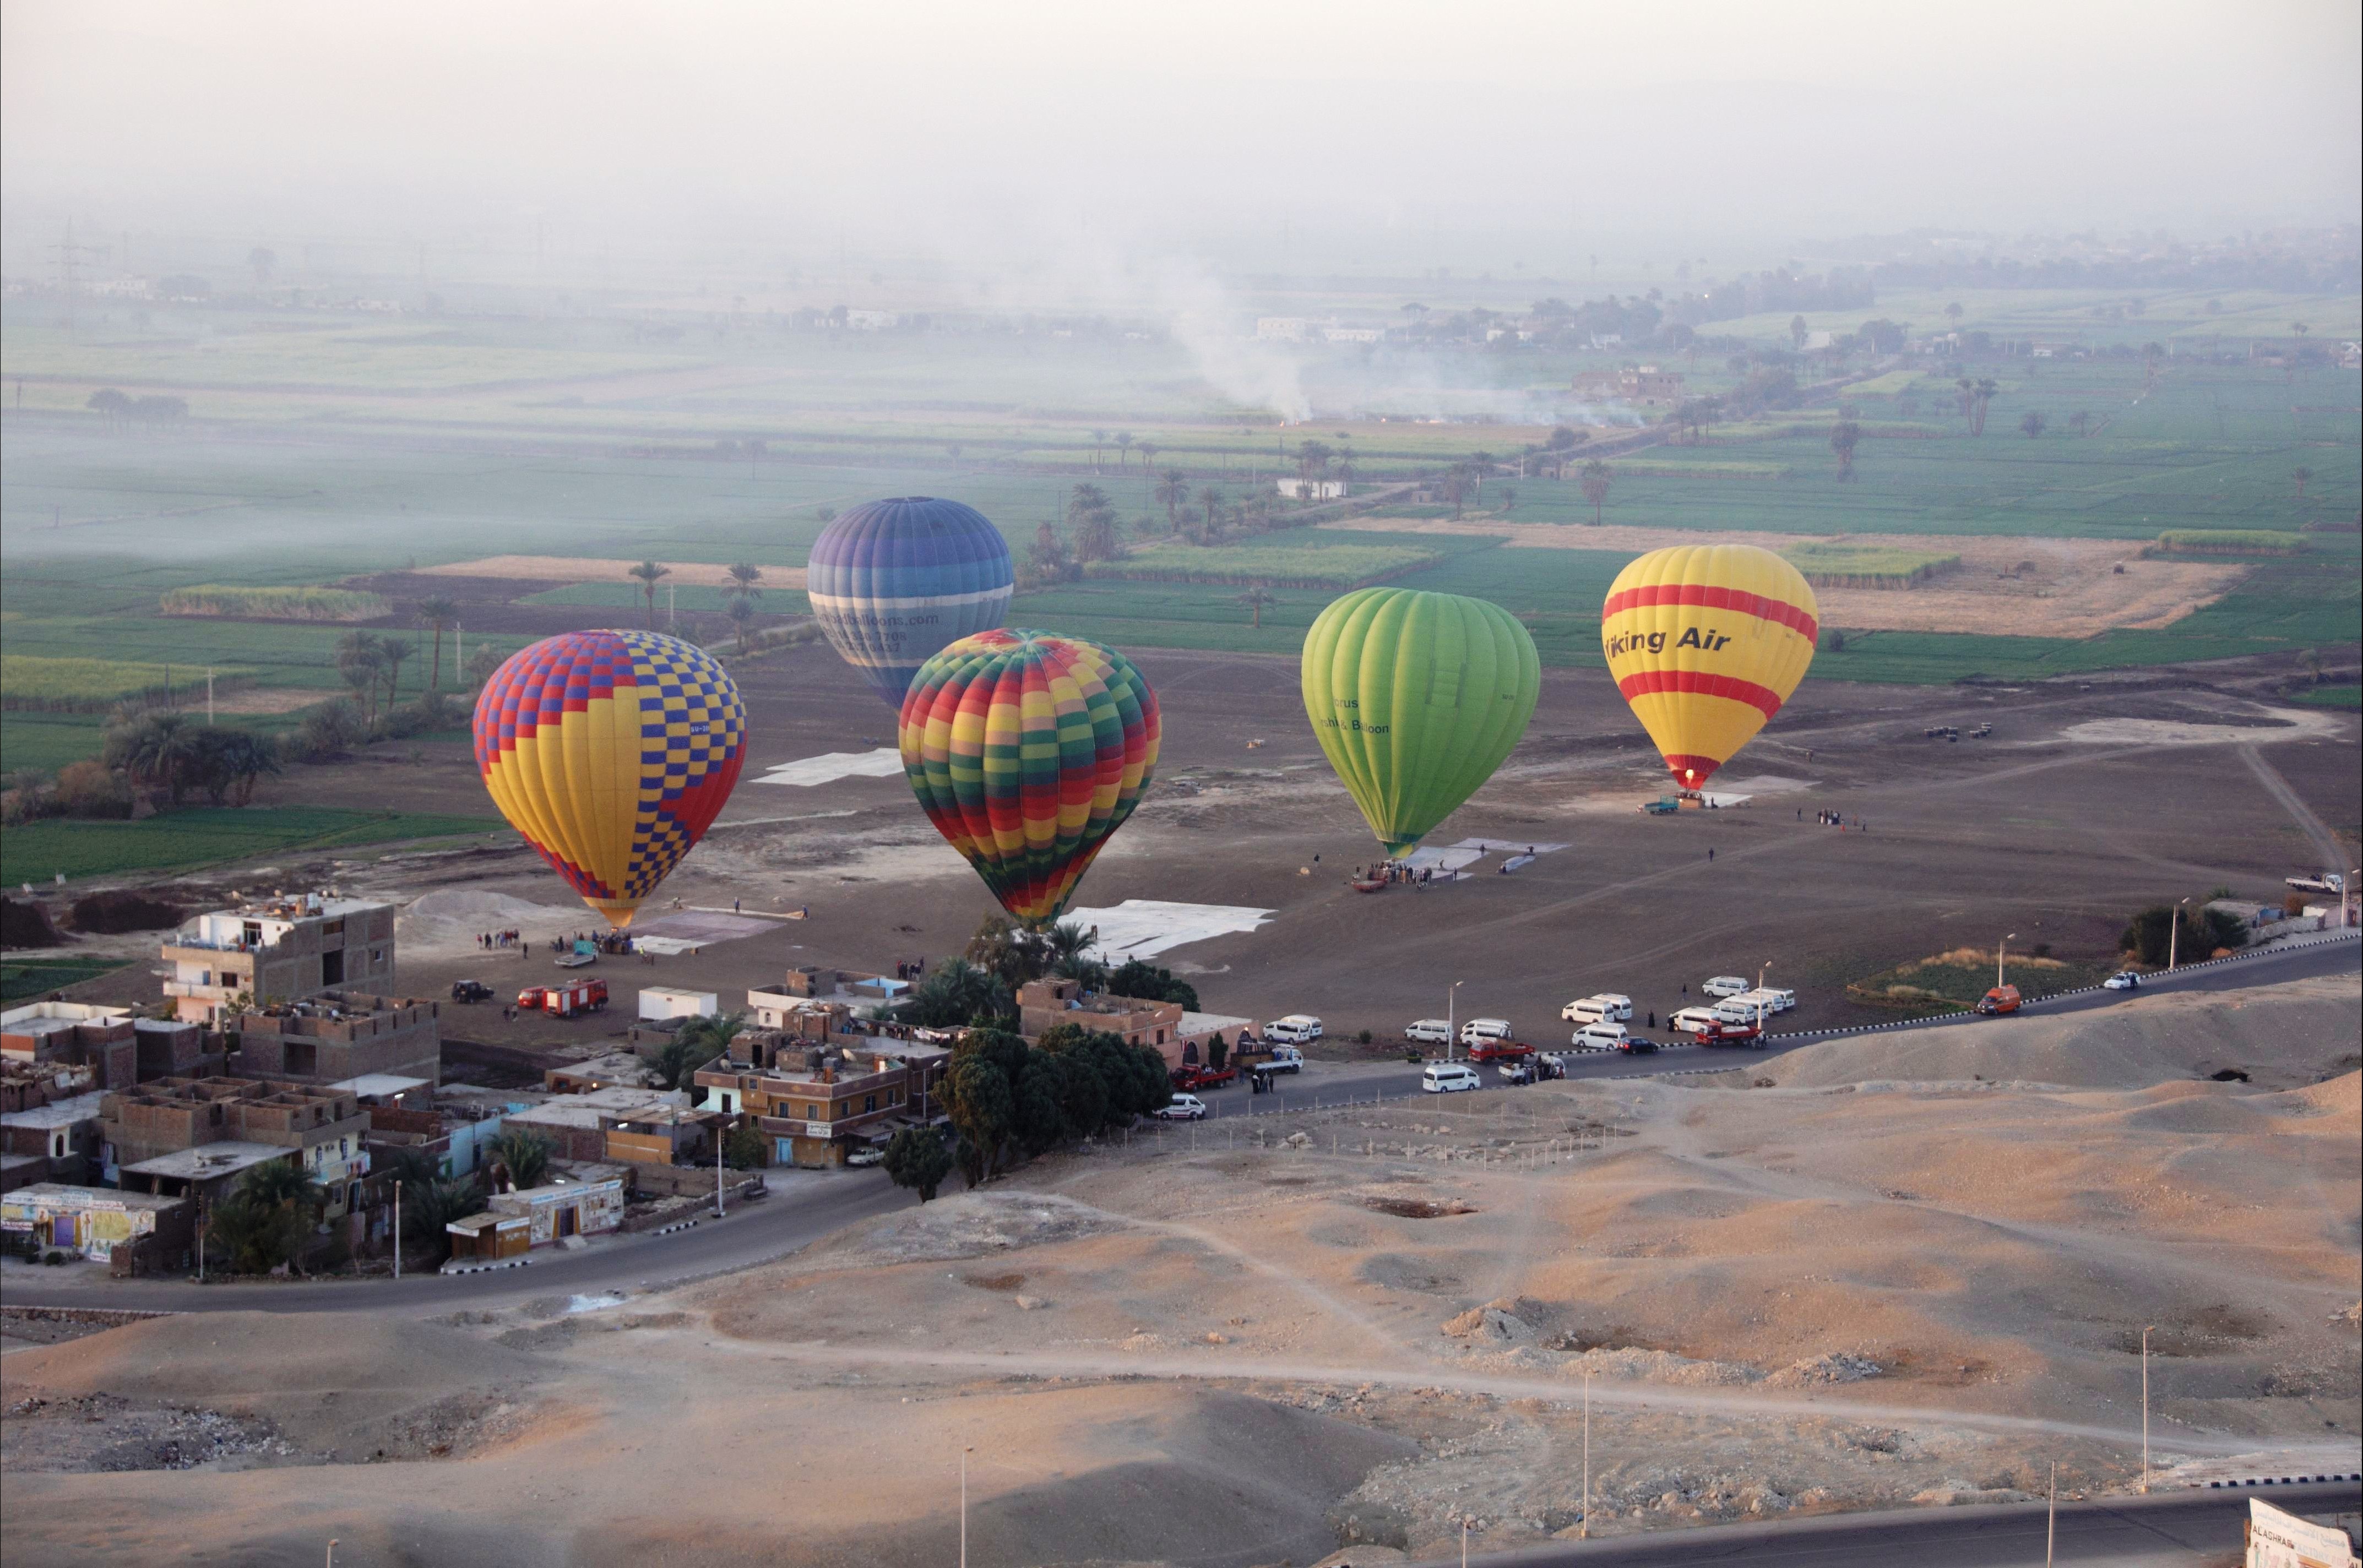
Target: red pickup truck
[(1499, 1051), (1745, 1035), (1203, 1078)]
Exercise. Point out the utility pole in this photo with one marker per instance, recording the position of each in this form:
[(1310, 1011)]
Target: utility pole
[(209, 696), (2000, 948), (70, 257), (1451, 1003), (2174, 935), (2147, 1329), (717, 1175), (2051, 1516), (397, 1230), (964, 1453), (1583, 1529)]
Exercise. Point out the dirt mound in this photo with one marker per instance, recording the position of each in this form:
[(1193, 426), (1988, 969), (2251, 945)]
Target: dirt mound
[(447, 924), (114, 913), (2282, 1036), (27, 924), (331, 1385)]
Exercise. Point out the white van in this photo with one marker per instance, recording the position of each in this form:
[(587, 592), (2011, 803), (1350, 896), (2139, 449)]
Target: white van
[(1774, 1001), (1296, 1029), (1428, 1032), (1601, 1037), (1740, 1010), (1595, 1010), (1447, 1077), (1478, 1031), (1727, 985), (1694, 1019)]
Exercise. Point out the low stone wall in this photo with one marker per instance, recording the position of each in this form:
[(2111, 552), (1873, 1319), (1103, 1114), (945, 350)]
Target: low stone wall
[(673, 1181)]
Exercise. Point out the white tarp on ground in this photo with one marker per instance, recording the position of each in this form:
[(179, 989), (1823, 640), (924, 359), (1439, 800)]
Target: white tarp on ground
[(1448, 859), (829, 766), (667, 946), (1143, 928)]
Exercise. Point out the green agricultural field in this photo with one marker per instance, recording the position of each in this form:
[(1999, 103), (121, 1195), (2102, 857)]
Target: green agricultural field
[(28, 979), (48, 741), (70, 685), (2349, 698), (1325, 561), (1866, 566), (206, 836), (274, 603), (689, 597)]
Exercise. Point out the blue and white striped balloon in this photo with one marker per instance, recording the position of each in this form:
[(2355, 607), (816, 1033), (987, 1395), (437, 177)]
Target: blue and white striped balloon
[(895, 583)]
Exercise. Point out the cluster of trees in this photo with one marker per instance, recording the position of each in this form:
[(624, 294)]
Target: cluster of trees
[(694, 1043), (980, 986), (2185, 931), (151, 749), (1008, 1099), (269, 1218), (124, 410)]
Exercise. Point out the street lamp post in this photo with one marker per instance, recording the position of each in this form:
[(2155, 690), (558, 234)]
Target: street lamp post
[(1451, 1016), (964, 1453), (2173, 933), (2051, 1516), (1584, 1526), (2000, 948), (397, 1229), (2146, 1330)]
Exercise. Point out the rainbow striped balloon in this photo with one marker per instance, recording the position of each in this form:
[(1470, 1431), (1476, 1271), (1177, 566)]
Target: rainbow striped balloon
[(1706, 642), (611, 753), (1026, 750)]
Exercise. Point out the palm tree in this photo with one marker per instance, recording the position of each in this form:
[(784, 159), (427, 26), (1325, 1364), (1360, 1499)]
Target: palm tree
[(740, 610), (1346, 471), (1953, 315), (438, 611), (648, 572), (1968, 392), (747, 574), (1480, 464), (2080, 423), (1596, 475), (1099, 439), (361, 657), (1148, 454), (161, 749), (1173, 488), (1257, 600), (1986, 389), (1455, 488), (1210, 498), (1123, 449), (1798, 331), (392, 651), (1842, 436), (2035, 424), (524, 1156), (2301, 475), (1509, 499)]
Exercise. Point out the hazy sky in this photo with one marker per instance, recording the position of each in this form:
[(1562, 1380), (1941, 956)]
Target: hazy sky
[(1269, 133)]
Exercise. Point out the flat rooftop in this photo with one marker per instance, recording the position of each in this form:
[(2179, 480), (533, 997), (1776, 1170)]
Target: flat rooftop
[(88, 1197), (58, 1112), (369, 1084), (210, 1160)]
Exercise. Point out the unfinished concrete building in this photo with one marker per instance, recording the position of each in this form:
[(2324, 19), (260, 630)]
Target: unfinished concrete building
[(339, 1035), (276, 950), (820, 1102), (70, 1034), (180, 1135)]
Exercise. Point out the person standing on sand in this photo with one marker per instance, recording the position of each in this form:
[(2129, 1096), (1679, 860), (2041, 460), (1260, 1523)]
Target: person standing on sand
[(1710, 854)]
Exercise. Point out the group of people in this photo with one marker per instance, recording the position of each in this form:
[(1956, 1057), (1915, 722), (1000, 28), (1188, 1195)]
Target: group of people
[(1394, 872), (1835, 818), (490, 940), (910, 970)]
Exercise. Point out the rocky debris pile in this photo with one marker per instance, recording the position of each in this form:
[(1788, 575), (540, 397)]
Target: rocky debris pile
[(1497, 1322), (1836, 1367), (973, 1225), (105, 1432)]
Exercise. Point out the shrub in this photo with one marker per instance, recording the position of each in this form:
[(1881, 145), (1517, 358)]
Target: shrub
[(915, 1157), (275, 604), (335, 726), (746, 1149), (2186, 933), (91, 788), (1145, 983)]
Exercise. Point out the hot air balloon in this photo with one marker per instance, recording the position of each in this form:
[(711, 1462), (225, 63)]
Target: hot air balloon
[(893, 581), (1706, 642), (611, 752), (1026, 750), (1416, 699)]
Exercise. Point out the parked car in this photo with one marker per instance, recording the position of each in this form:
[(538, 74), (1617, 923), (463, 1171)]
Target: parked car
[(470, 991), (1638, 1045), (868, 1155), (1183, 1108), (1428, 1032), (1727, 985), (1477, 1030), (1601, 1037), (1447, 1077), (1998, 1000), (1603, 1007), (2122, 980), (1296, 1029)]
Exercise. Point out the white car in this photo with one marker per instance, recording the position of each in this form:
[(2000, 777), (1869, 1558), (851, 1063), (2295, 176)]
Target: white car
[(868, 1156), (1185, 1108), (1727, 985), (1477, 1030), (1601, 1007), (2122, 980), (1428, 1032), (1447, 1077)]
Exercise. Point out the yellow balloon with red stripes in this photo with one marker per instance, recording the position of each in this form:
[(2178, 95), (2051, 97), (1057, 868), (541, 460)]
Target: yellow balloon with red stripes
[(1706, 642)]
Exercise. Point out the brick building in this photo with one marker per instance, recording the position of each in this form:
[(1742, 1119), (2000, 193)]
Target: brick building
[(277, 950), (1045, 1004), (817, 1103), (70, 1034), (179, 1135), (59, 1141), (338, 1036)]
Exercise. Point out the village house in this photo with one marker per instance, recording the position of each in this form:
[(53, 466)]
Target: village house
[(276, 951), (1045, 1004), (182, 1135), (512, 1223), (576, 1125), (339, 1035), (59, 1141), (98, 1224), (63, 1034), (820, 1102)]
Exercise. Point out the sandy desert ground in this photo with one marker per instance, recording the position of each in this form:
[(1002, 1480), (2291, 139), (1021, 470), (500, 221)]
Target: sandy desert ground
[(1873, 1272)]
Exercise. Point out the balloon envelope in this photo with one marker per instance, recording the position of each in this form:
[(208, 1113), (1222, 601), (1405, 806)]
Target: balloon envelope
[(1417, 698), (893, 581), (1026, 750), (611, 752), (1706, 642)]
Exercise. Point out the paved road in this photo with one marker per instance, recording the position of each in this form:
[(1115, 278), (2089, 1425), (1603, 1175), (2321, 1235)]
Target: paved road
[(803, 1207), (1325, 1084), (2182, 1529)]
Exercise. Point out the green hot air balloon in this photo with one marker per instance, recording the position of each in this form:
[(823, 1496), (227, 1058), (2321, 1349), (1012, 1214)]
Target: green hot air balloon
[(1417, 698)]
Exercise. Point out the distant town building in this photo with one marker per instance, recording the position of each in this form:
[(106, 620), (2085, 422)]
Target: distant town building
[(872, 320), (1282, 328), (278, 950), (1312, 489), (1644, 385), (1353, 334), (335, 1035)]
